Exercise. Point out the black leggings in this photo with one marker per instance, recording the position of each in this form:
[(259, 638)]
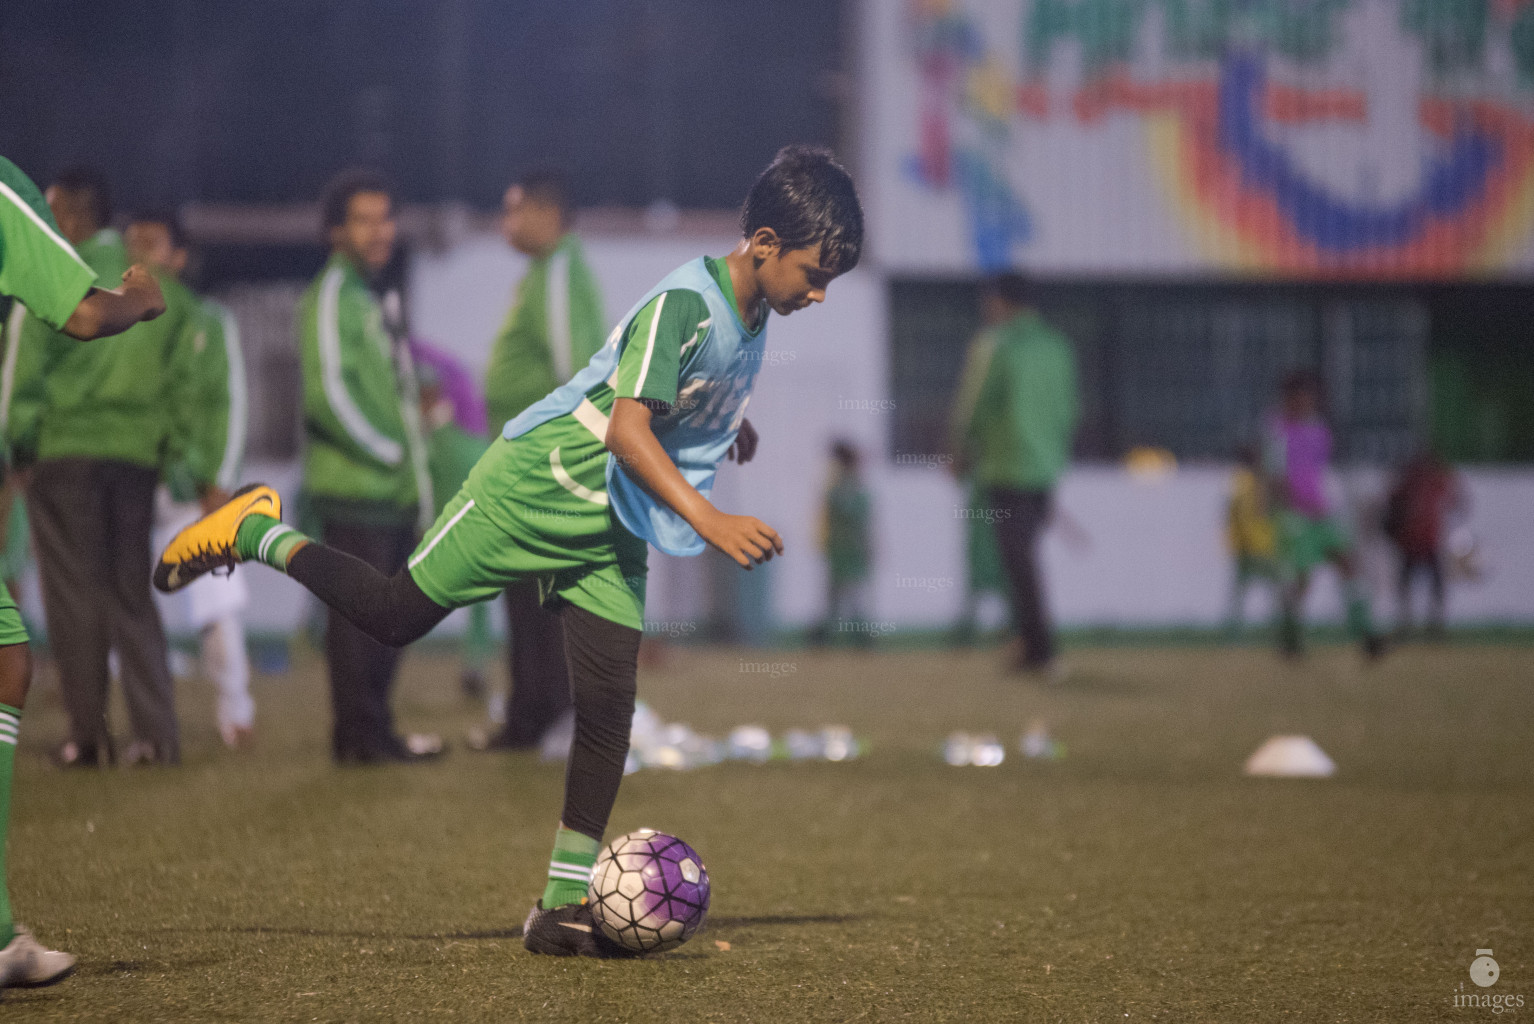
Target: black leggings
[(603, 657)]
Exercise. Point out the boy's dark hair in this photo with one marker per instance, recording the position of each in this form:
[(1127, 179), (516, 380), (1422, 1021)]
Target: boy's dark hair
[(337, 197), (1302, 380), (806, 197), (548, 186), (1010, 287), (845, 453), (89, 180), (167, 218)]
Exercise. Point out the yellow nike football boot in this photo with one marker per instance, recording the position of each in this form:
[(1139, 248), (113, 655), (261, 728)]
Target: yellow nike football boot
[(209, 543)]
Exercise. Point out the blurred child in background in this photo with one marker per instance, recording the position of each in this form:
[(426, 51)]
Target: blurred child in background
[(845, 541), (1250, 535), (1426, 494), (453, 419), (1299, 451), (218, 406)]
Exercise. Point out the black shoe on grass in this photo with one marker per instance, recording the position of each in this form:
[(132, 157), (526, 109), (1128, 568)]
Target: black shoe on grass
[(566, 931), (1375, 647)]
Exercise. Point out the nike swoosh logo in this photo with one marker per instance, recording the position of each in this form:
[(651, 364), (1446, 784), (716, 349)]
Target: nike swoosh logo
[(578, 927)]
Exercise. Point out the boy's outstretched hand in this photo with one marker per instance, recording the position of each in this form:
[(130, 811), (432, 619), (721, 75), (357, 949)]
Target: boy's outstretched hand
[(744, 448), (746, 539), (140, 285)]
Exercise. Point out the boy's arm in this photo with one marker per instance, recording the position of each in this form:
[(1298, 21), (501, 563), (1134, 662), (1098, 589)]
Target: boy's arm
[(744, 538), (104, 311), (43, 272)]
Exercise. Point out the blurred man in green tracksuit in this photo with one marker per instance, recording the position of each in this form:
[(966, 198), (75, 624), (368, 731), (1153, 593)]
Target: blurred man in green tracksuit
[(213, 604), (1017, 442), (554, 328), (365, 468), (96, 424)]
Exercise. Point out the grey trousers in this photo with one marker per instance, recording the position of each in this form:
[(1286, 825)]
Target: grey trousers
[(1020, 520), (362, 670), (91, 520)]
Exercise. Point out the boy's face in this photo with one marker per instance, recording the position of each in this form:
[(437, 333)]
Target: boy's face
[(531, 226), (367, 234), (75, 211), (791, 279), (1300, 403), (150, 243)]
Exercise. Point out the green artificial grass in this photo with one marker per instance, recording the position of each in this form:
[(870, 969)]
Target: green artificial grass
[(1142, 877)]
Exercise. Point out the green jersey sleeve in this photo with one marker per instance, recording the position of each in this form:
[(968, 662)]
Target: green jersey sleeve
[(658, 338), (37, 267)]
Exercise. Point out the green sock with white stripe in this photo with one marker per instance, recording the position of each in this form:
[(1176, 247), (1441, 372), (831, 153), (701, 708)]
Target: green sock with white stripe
[(10, 724), (264, 539), (570, 868)]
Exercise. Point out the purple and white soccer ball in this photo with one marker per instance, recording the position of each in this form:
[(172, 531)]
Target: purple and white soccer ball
[(649, 891)]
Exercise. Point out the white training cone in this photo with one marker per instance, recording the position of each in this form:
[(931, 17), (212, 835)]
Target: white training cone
[(1293, 757)]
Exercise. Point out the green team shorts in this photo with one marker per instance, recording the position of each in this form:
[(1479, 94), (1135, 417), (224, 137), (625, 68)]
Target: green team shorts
[(522, 516), (1304, 542), (11, 629)]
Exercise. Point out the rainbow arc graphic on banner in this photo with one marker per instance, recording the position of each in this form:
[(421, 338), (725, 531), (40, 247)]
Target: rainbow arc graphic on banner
[(1220, 116)]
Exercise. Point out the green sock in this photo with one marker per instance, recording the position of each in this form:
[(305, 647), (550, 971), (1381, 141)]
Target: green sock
[(264, 539), (570, 868), (10, 723)]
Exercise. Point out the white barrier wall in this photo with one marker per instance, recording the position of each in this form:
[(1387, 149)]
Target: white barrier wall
[(1152, 553), (1148, 554)]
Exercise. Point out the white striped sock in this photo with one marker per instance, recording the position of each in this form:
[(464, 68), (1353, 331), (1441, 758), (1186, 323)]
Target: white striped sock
[(272, 535)]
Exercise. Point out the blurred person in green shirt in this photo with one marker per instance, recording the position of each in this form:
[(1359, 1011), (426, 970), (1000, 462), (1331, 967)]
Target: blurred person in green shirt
[(1016, 443), (212, 605), (96, 425), (984, 572), (553, 329), (847, 543), (452, 449)]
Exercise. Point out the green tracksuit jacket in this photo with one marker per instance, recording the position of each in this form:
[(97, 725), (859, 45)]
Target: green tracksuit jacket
[(1017, 433), (220, 414), (361, 418), (554, 328), (122, 399)]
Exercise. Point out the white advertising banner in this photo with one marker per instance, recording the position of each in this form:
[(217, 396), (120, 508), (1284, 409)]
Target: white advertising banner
[(1311, 139)]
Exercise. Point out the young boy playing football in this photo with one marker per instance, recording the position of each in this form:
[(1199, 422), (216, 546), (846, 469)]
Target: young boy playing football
[(623, 455)]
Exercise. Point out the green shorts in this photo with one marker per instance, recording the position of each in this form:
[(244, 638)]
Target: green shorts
[(522, 516), (1257, 567), (11, 629), (1304, 542)]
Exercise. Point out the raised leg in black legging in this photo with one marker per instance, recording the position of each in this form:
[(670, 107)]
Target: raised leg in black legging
[(390, 609)]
